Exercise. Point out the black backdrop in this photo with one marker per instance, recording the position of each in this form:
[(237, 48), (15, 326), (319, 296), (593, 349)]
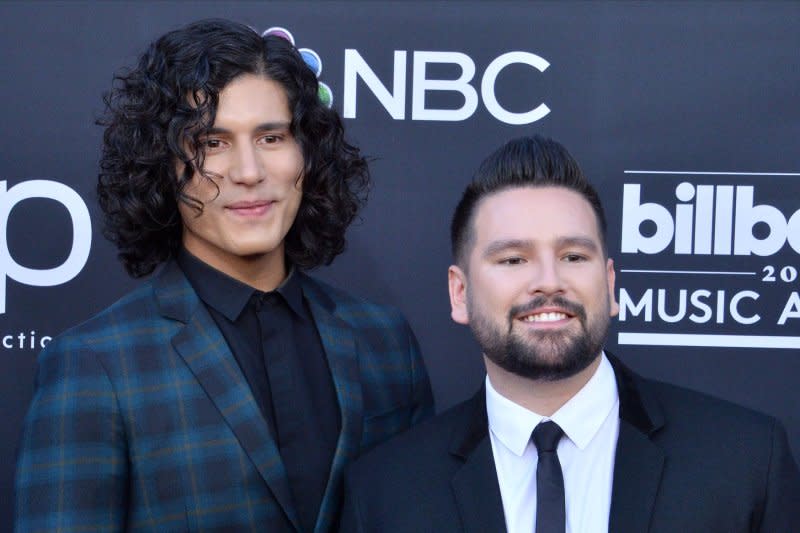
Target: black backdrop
[(685, 113)]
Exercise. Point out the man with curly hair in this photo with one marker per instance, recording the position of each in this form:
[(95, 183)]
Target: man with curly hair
[(230, 390)]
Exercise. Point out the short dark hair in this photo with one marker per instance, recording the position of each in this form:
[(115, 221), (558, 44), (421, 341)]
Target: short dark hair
[(156, 114), (523, 162)]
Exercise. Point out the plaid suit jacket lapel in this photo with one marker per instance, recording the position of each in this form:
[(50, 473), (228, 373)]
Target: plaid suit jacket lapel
[(339, 343), (202, 346)]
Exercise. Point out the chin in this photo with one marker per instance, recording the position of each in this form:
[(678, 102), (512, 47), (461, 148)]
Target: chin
[(254, 252), (547, 360), (255, 247)]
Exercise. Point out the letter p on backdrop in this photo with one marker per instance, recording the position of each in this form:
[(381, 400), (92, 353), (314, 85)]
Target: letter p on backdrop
[(81, 235)]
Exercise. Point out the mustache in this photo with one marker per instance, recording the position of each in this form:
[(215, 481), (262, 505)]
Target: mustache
[(573, 308)]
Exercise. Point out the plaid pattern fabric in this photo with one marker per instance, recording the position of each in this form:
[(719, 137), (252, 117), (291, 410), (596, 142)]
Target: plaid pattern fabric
[(143, 421)]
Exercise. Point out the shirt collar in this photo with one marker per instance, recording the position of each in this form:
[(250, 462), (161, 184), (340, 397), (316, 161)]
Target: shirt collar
[(292, 291), (580, 418), (230, 296)]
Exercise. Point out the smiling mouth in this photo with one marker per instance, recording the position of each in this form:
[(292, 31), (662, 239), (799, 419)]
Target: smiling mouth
[(544, 312), (250, 208), (551, 316)]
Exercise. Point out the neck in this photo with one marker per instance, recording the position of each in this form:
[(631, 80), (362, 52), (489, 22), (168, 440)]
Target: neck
[(263, 275), (264, 272), (539, 396)]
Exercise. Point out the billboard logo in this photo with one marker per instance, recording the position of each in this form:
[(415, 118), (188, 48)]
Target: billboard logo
[(707, 221), (732, 278), (81, 235)]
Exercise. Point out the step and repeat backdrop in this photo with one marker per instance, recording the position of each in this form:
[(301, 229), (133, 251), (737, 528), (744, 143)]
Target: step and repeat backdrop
[(686, 116)]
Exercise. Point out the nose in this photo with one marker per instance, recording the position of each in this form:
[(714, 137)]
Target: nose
[(247, 167), (546, 277)]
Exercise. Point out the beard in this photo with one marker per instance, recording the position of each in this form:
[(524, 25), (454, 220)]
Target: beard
[(541, 355)]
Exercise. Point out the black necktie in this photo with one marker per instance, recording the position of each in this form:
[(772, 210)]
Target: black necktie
[(551, 516)]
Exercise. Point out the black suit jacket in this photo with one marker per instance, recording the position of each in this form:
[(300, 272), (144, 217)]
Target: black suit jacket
[(685, 462)]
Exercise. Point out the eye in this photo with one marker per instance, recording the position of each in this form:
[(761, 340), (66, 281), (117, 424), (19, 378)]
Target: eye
[(270, 139), (574, 258), (511, 261), (213, 145)]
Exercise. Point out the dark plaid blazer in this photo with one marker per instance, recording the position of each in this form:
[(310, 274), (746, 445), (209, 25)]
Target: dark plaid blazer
[(143, 421)]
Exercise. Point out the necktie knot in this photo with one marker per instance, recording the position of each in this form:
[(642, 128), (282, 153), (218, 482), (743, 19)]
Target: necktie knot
[(546, 436)]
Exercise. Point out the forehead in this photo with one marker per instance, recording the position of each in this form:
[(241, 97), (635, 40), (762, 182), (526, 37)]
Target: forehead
[(252, 96), (536, 214)]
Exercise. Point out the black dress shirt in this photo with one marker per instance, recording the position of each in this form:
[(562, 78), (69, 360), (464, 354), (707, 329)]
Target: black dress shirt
[(274, 339)]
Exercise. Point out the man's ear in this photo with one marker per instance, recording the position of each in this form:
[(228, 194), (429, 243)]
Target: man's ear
[(611, 275), (457, 284)]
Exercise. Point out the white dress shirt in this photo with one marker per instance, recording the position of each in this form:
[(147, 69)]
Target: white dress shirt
[(590, 421)]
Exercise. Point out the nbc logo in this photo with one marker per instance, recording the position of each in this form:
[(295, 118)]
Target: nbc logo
[(311, 58)]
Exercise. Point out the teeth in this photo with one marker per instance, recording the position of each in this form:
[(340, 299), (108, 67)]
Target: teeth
[(544, 317)]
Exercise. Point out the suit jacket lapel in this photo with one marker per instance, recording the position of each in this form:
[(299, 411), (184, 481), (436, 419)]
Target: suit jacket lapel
[(475, 484), (339, 343), (203, 348), (639, 462)]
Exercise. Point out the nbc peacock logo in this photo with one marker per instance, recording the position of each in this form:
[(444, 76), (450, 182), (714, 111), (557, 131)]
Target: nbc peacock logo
[(311, 58)]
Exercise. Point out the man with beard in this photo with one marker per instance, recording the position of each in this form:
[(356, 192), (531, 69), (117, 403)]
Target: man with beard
[(563, 437)]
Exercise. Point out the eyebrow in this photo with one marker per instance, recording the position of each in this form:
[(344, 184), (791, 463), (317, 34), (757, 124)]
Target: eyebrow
[(507, 244), (266, 126), (583, 242)]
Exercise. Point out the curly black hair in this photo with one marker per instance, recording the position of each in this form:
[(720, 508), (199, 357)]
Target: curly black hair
[(156, 114)]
